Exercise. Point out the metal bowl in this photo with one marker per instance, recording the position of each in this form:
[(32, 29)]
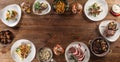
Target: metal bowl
[(51, 53), (102, 54)]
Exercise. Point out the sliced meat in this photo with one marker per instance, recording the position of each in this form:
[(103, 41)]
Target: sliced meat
[(77, 52), (72, 50), (110, 33)]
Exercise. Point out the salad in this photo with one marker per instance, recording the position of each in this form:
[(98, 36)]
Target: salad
[(11, 15), (40, 6)]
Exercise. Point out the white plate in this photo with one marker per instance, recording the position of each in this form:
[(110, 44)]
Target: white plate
[(87, 53), (31, 55), (46, 11), (10, 23), (102, 28), (103, 5)]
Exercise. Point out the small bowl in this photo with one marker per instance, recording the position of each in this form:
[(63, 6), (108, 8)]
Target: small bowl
[(51, 53), (66, 8), (103, 53), (5, 33)]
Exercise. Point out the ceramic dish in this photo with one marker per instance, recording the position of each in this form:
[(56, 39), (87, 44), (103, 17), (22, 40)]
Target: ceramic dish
[(43, 12), (99, 48), (44, 53), (29, 57), (103, 9), (6, 37), (82, 48), (9, 9), (103, 26), (60, 6)]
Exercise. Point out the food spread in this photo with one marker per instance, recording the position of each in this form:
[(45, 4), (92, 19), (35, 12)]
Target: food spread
[(77, 52)]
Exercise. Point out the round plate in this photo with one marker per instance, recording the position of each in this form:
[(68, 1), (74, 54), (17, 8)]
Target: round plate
[(31, 55), (102, 28), (87, 53), (103, 5), (11, 23), (46, 11)]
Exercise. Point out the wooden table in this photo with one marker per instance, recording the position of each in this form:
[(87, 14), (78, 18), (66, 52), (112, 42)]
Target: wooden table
[(52, 29)]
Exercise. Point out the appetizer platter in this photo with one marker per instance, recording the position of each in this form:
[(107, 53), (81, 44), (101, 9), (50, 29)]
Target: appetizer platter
[(10, 15), (41, 7), (77, 52), (23, 51), (96, 10), (110, 30)]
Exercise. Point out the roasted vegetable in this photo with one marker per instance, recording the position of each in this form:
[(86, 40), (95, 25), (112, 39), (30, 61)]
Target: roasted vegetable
[(60, 6), (99, 46), (39, 7), (111, 29)]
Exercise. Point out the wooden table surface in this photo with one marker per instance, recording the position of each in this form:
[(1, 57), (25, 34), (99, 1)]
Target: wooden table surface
[(52, 29)]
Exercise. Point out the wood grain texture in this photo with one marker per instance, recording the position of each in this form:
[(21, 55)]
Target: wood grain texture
[(52, 29)]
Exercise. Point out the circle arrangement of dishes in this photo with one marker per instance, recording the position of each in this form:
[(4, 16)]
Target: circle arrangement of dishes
[(41, 7), (99, 47), (45, 54), (77, 52), (11, 15), (23, 51), (96, 10), (110, 30)]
